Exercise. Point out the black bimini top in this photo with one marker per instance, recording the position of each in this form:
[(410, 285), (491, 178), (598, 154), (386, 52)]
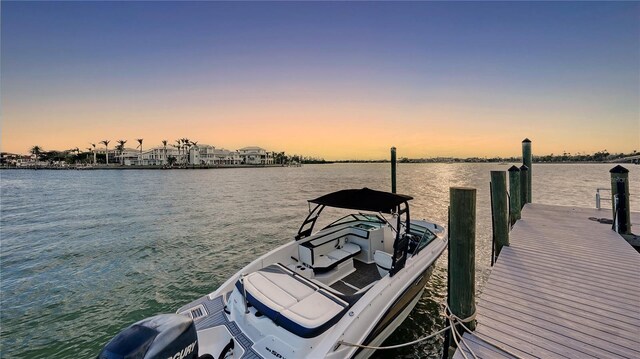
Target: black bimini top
[(363, 199)]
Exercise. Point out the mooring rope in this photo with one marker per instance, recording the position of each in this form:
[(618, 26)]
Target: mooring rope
[(466, 320), (452, 318), (486, 339), (454, 335), (457, 337), (395, 346), (489, 341)]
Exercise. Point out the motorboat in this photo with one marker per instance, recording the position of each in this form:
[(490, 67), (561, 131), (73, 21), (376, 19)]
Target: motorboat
[(323, 294)]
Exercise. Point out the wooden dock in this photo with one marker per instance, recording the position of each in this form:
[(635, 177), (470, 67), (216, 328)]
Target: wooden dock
[(567, 286)]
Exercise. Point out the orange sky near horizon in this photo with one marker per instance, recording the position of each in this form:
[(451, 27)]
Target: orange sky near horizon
[(325, 130)]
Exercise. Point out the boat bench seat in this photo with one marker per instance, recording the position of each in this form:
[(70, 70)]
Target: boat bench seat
[(292, 301), (322, 254)]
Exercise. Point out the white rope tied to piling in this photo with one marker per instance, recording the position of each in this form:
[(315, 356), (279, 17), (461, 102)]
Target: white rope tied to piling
[(457, 337), (447, 314), (488, 341)]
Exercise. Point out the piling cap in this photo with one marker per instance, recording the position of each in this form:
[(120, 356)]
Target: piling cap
[(524, 168), (526, 140), (618, 169), (514, 169)]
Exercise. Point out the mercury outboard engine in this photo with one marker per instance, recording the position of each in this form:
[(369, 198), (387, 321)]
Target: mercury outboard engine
[(165, 336)]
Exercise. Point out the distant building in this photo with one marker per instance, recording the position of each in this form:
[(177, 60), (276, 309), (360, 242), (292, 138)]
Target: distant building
[(128, 157), (16, 160), (227, 157), (158, 156), (210, 156), (195, 155), (254, 155), (112, 154)]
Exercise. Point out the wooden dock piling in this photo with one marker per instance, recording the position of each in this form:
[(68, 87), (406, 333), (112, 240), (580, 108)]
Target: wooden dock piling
[(462, 247), (620, 193), (526, 160), (524, 185), (499, 211), (393, 169), (514, 195)]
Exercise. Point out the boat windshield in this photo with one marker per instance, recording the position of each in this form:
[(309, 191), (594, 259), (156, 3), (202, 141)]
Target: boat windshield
[(360, 217), (425, 235)]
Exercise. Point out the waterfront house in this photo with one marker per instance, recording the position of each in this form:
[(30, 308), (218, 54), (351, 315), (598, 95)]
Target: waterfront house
[(210, 156), (112, 154), (128, 157), (254, 155), (16, 160), (158, 156)]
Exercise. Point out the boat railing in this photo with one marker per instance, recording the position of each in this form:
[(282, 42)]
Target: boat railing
[(244, 294)]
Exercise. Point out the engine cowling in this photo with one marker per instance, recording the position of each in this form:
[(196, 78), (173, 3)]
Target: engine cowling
[(165, 336)]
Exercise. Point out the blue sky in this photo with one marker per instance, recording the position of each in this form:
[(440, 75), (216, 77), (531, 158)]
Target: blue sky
[(275, 74)]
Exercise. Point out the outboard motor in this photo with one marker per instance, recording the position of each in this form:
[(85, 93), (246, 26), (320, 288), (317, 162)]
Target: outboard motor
[(165, 336)]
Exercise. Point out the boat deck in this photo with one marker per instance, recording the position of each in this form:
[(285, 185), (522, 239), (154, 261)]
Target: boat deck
[(211, 314), (364, 275), (567, 286)]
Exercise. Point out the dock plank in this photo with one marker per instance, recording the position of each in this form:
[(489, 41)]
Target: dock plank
[(481, 349), (582, 285), (578, 280), (549, 292), (567, 286), (567, 303), (599, 267), (548, 328), (519, 277), (530, 308)]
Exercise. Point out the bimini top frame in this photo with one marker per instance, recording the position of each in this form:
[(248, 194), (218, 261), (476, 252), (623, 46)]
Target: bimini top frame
[(366, 199)]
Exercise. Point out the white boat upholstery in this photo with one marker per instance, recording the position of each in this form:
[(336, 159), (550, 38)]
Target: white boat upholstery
[(292, 301), (276, 289), (384, 261), (314, 310), (350, 248), (324, 254)]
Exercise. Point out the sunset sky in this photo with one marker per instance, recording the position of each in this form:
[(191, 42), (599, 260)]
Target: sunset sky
[(332, 80)]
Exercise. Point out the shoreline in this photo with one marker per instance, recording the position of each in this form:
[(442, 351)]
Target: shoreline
[(118, 167), (196, 167)]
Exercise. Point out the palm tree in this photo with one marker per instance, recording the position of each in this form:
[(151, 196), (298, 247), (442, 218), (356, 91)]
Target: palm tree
[(120, 148), (36, 151), (94, 153), (77, 154), (87, 158), (164, 145), (195, 148), (106, 148), (179, 146), (140, 145), (187, 149)]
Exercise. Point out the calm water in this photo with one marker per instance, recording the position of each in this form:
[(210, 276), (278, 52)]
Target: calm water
[(86, 253)]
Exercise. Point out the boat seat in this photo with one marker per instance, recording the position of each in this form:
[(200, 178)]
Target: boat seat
[(277, 290), (292, 301), (327, 255), (384, 262)]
